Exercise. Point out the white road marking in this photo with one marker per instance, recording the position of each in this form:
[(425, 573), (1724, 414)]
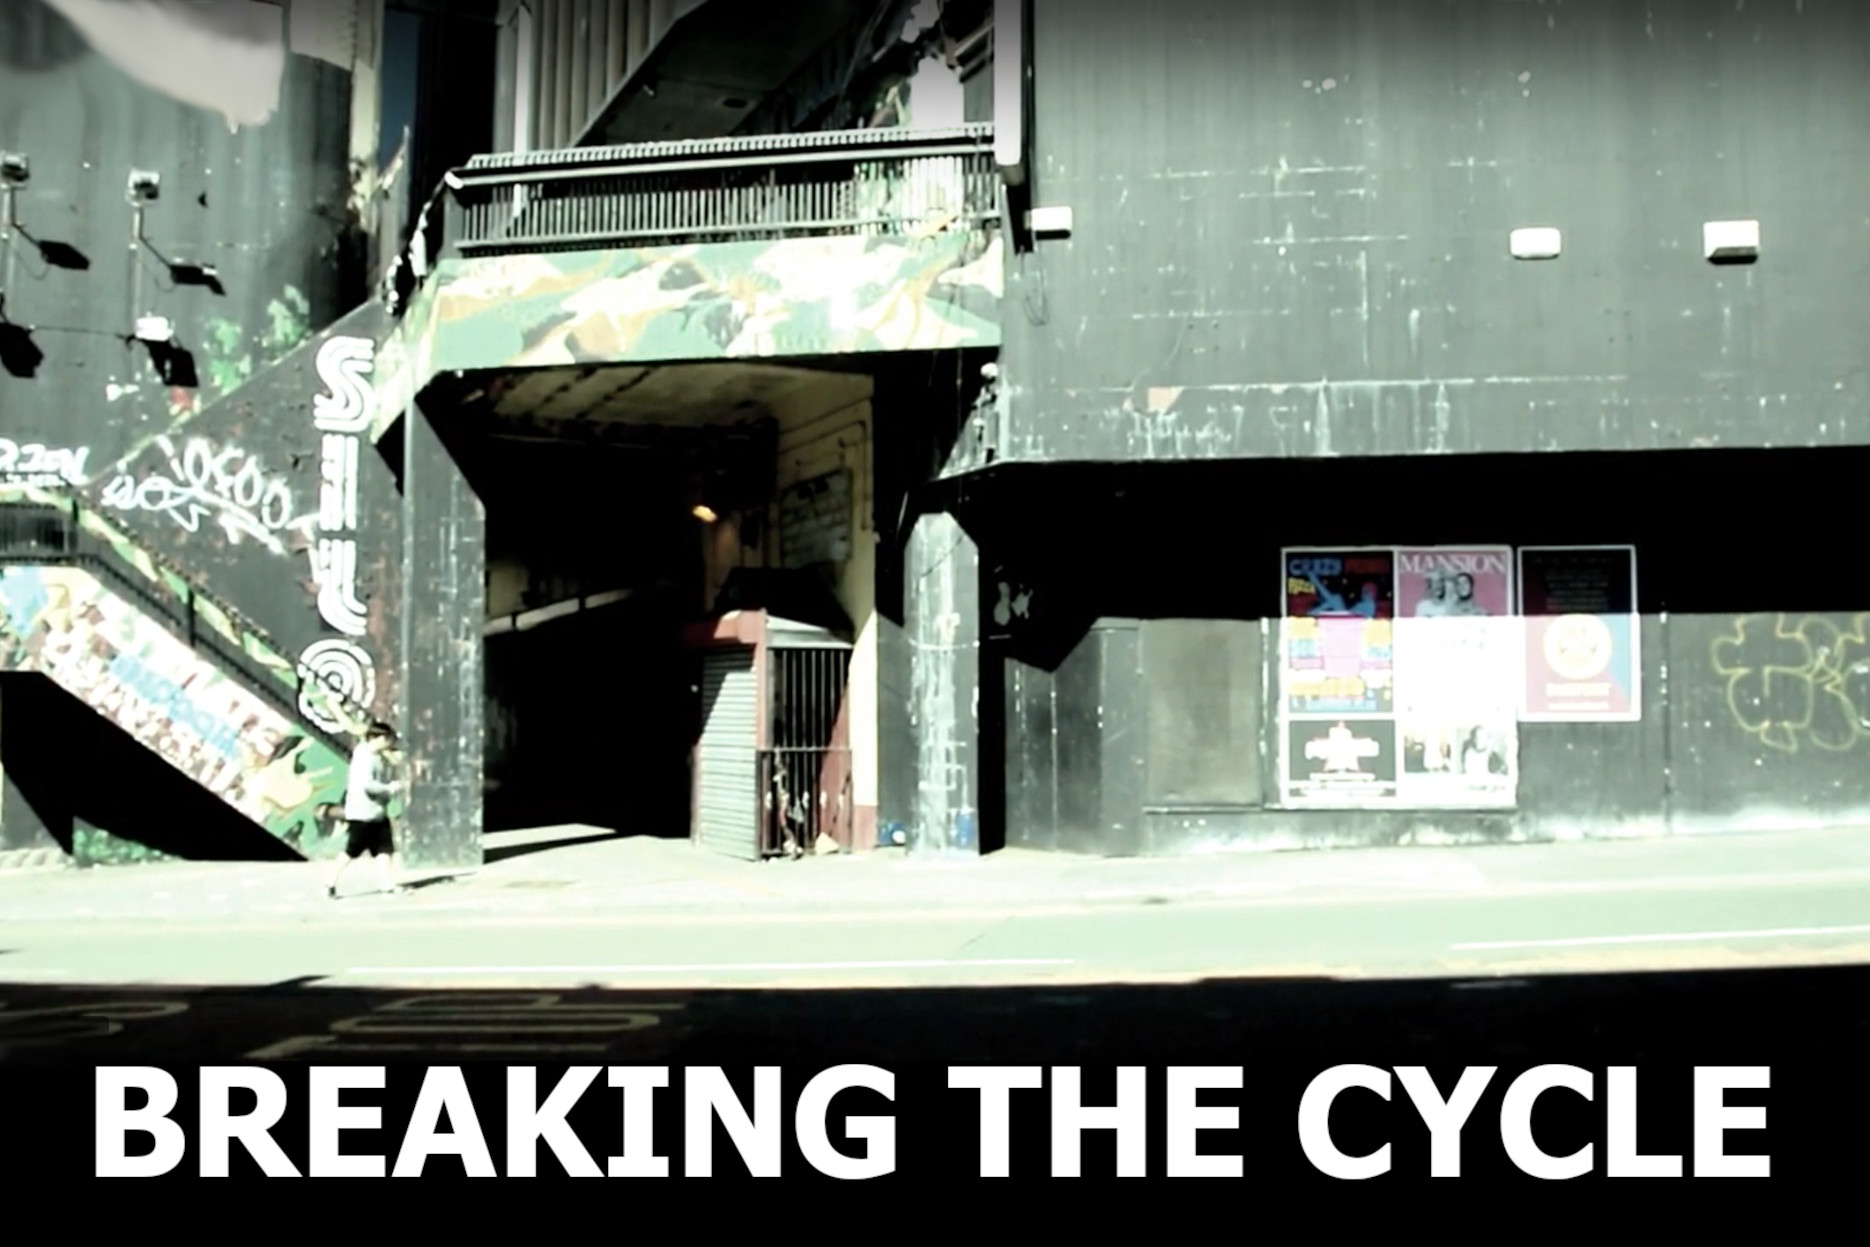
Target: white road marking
[(720, 966), (1669, 938)]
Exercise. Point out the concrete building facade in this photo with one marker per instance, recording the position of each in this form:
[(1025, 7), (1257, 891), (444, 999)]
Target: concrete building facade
[(954, 424)]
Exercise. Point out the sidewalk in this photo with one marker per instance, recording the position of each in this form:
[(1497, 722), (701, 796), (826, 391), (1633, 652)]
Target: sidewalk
[(584, 874)]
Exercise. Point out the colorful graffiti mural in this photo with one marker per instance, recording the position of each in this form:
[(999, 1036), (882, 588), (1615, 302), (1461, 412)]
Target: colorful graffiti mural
[(348, 717), (63, 623), (728, 300)]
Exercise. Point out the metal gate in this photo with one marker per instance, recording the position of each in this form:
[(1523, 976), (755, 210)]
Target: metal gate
[(806, 771), (727, 814)]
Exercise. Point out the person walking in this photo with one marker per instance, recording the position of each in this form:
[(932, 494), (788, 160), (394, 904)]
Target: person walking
[(367, 794)]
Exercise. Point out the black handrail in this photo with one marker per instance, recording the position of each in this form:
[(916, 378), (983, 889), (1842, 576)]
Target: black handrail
[(853, 182), (740, 149), (37, 532)]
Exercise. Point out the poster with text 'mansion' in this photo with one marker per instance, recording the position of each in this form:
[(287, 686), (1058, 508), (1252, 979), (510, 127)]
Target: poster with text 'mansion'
[(1400, 677), (1457, 677)]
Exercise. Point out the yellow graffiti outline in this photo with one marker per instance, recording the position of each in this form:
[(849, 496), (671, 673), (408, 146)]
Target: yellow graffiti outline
[(1824, 672)]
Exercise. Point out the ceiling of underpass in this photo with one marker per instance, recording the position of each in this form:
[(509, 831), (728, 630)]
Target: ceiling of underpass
[(690, 395), (523, 438)]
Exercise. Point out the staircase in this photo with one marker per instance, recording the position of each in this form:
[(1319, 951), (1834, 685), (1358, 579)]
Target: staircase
[(87, 606)]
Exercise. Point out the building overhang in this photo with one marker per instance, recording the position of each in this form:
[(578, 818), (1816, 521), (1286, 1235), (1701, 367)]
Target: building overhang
[(805, 246)]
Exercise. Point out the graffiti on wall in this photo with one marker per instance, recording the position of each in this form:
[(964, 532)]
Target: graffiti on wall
[(342, 414), (205, 482), (1798, 682), (63, 623), (35, 463), (342, 667)]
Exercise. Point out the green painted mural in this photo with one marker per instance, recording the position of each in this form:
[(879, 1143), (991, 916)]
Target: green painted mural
[(843, 294), (65, 622), (167, 581)]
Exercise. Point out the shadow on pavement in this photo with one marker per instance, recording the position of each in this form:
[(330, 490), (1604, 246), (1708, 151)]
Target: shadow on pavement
[(502, 852), (1693, 1016), (416, 885)]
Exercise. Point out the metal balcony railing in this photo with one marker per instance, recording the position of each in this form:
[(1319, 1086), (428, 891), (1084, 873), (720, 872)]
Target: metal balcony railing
[(719, 190)]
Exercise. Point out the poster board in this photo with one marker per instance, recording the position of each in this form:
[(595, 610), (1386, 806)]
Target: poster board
[(1400, 678), (1582, 635)]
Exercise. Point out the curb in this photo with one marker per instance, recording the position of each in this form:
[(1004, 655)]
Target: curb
[(35, 859)]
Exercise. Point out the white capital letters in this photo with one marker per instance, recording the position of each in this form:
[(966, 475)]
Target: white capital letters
[(756, 1137), (879, 1133), (528, 1121), (996, 1084), (219, 1127), (334, 567), (1070, 1119), (1187, 1119), (1516, 1122), (344, 365), (1444, 1119), (444, 1088), (330, 1118), (337, 489), (115, 1123), (1625, 1162), (639, 1159), (1713, 1117), (1315, 1122)]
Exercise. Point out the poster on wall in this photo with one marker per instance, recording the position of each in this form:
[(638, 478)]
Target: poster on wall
[(1581, 634), (1401, 674), (1342, 761), (1457, 676), (1339, 606)]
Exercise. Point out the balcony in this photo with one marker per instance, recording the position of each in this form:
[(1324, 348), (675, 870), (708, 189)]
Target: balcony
[(721, 249)]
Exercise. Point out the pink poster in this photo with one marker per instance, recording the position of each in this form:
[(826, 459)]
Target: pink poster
[(1452, 583)]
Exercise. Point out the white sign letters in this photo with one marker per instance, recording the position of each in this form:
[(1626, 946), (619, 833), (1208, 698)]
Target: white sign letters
[(341, 413)]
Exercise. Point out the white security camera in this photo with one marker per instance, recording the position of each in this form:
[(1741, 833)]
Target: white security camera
[(15, 169), (144, 185)]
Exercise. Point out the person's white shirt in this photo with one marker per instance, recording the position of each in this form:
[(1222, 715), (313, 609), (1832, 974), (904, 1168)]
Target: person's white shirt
[(367, 788)]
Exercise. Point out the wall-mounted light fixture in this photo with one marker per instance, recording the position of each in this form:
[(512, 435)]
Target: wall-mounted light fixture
[(173, 362), (145, 186), (155, 330), (1731, 242), (1535, 243), (1052, 222), (704, 513)]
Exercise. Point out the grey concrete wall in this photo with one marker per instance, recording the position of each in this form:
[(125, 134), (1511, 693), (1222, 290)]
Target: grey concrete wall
[(208, 449), (1292, 219), (1141, 670)]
